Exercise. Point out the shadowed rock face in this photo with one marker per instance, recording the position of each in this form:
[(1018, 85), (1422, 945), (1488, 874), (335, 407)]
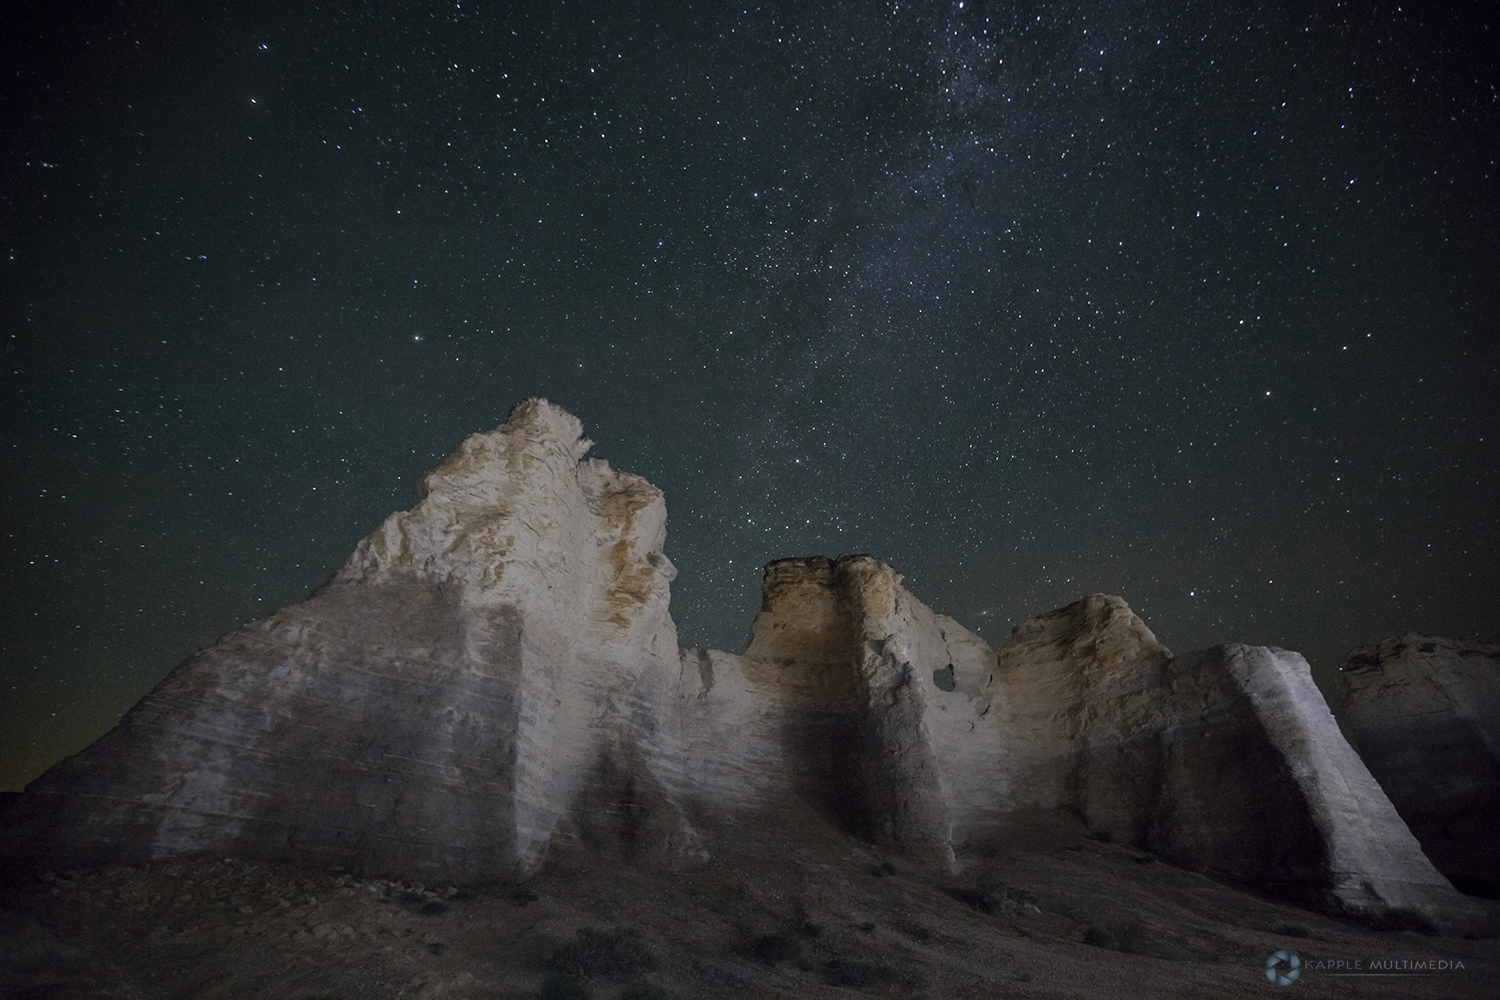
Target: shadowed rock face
[(1424, 712), (837, 708), (1225, 760), (493, 678)]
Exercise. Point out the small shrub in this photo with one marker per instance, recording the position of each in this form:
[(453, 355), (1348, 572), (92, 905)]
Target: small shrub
[(1100, 938), (1102, 836), (811, 930), (867, 926), (1293, 930), (620, 954), (883, 869), (1000, 899), (436, 948), (1404, 918), (523, 896), (433, 908), (561, 986), (778, 947), (856, 972), (643, 991)]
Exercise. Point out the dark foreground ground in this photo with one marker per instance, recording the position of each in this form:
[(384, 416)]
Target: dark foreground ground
[(1056, 916)]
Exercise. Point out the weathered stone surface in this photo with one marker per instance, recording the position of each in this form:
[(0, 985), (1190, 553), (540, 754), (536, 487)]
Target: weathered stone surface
[(432, 710), (1292, 807), (835, 707), (493, 679), (1424, 712), (1225, 760)]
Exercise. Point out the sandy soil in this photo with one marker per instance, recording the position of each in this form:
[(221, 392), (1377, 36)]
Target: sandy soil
[(1051, 917)]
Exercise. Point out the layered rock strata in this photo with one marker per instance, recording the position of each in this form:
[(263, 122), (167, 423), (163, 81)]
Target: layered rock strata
[(1424, 712), (835, 708), (431, 710), (493, 677), (1226, 760)]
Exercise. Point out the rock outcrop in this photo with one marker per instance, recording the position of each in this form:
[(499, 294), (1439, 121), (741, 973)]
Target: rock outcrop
[(432, 710), (855, 701), (1424, 712), (1225, 760), (493, 678)]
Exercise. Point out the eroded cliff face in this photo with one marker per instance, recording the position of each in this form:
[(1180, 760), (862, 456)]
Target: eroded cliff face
[(854, 701), (1225, 760), (1424, 713), (493, 680), (434, 709), (901, 727)]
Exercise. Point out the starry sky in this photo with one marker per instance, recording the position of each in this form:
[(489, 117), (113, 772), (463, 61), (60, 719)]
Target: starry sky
[(1198, 304)]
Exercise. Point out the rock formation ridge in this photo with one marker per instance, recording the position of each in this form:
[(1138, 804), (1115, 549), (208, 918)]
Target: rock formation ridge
[(493, 677)]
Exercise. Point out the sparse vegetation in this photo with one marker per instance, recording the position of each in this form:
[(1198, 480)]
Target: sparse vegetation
[(1102, 836), (523, 896), (781, 946), (619, 955), (857, 972), (643, 991), (1405, 918), (562, 986), (1000, 898), (1100, 938), (883, 869), (1293, 930), (811, 930), (433, 908)]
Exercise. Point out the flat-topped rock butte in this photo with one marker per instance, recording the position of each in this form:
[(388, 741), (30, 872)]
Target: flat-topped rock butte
[(493, 680)]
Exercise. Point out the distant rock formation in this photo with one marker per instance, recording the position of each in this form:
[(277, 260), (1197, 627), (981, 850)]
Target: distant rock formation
[(1424, 712), (493, 677), (1225, 760)]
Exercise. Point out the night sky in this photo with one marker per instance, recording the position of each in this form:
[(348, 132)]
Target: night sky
[(1198, 304)]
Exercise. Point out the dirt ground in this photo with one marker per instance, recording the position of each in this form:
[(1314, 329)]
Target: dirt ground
[(1052, 917)]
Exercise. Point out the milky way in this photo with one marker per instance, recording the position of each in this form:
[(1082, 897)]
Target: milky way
[(1197, 306)]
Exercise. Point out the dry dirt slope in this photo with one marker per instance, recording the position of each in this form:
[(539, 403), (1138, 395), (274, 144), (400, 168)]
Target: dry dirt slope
[(1058, 916)]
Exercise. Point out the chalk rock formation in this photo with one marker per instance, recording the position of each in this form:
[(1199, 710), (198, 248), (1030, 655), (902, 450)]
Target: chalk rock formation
[(493, 678), (902, 727), (1424, 712), (1225, 760), (855, 700), (432, 710)]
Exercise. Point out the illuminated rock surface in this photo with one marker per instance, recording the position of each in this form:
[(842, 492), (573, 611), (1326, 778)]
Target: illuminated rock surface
[(431, 710), (493, 679)]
